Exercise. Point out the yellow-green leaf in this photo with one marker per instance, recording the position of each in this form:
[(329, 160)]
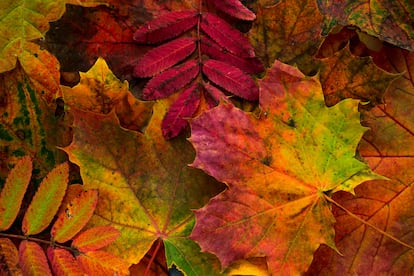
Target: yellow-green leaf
[(13, 192), (46, 201)]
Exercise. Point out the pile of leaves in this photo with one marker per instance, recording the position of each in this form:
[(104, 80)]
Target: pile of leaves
[(210, 137)]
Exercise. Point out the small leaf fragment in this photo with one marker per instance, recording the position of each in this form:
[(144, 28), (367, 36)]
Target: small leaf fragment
[(63, 262), (10, 257), (213, 95), (102, 263), (32, 259), (164, 56), (95, 238), (182, 109), (232, 79), (46, 201), (171, 80), (166, 26), (75, 216), (234, 8), (13, 191)]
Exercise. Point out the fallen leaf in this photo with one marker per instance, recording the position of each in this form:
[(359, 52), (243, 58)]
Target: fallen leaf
[(146, 189), (279, 169)]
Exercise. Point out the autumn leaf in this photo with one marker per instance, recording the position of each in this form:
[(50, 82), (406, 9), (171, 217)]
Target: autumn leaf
[(346, 76), (101, 91), (388, 147), (289, 31), (280, 170), (10, 257), (391, 21), (21, 22), (146, 189)]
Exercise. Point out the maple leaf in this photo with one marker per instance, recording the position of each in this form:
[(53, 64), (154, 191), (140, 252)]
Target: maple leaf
[(289, 31), (101, 91), (279, 170), (346, 76), (146, 189), (391, 21), (388, 147)]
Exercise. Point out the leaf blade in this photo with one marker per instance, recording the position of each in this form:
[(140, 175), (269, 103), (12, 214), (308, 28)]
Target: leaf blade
[(32, 259), (13, 191), (10, 257), (164, 56), (63, 262), (235, 9), (95, 238), (75, 217), (46, 201), (102, 263)]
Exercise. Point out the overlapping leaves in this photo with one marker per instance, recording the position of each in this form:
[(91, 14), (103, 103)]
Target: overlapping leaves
[(279, 170)]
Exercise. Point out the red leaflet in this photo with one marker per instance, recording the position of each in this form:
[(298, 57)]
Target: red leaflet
[(251, 65), (63, 262), (164, 56), (231, 78), (32, 259), (213, 95), (166, 26), (234, 8), (226, 36), (171, 80), (183, 108)]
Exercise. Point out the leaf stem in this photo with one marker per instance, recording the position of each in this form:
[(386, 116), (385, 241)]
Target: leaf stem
[(368, 224)]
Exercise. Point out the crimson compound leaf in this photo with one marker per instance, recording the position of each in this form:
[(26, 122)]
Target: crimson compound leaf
[(164, 56)]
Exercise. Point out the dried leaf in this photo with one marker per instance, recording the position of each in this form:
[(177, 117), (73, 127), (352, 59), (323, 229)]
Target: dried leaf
[(95, 238), (164, 56), (231, 78), (75, 217), (171, 80), (226, 36), (279, 169), (13, 191), (346, 76), (46, 201), (166, 26), (102, 263), (180, 111), (234, 8), (63, 262), (9, 257), (32, 259), (251, 65)]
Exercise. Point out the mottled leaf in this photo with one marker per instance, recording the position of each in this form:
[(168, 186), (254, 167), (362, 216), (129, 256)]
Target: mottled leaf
[(234, 8), (10, 258), (46, 201), (75, 216), (279, 169), (289, 31), (22, 21), (101, 91), (171, 80), (164, 56), (391, 21), (346, 76), (389, 148), (63, 262), (13, 191), (32, 259), (166, 26), (143, 204), (95, 238), (251, 65), (231, 78), (102, 263), (180, 111), (226, 36)]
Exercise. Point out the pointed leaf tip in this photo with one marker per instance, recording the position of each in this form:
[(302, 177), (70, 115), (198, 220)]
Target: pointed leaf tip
[(13, 191), (166, 26), (75, 216), (46, 201)]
